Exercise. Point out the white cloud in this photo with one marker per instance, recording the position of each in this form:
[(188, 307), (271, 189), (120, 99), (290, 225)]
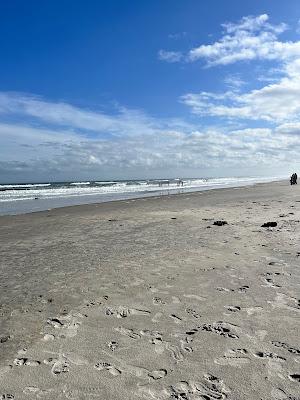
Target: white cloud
[(146, 147), (140, 155), (274, 102), (176, 36), (289, 128), (170, 56), (298, 26), (76, 141), (234, 82), (253, 37), (253, 24), (124, 121)]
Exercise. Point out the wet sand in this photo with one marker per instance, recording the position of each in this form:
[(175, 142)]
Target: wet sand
[(148, 299)]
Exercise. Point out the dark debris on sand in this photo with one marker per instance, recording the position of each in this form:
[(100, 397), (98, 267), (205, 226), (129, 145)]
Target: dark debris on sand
[(271, 224), (220, 223)]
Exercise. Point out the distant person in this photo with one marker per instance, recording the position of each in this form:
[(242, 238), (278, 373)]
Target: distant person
[(293, 179)]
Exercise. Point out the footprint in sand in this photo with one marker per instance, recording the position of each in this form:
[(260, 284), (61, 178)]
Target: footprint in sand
[(157, 301), (223, 289), (176, 300), (60, 366), (267, 355), (192, 312), (157, 317), (5, 338), (93, 303), (113, 345), (35, 391), (7, 396), (48, 337), (208, 388), (287, 347), (176, 319), (151, 335), (83, 392), (157, 374), (123, 312), (234, 358), (213, 387), (143, 373), (55, 322), (25, 361), (162, 345), (295, 377), (101, 366), (175, 351), (269, 283), (159, 345), (50, 361), (233, 308), (67, 325), (184, 347), (284, 301), (128, 332), (194, 297), (220, 328), (192, 332), (252, 310), (280, 394), (243, 289)]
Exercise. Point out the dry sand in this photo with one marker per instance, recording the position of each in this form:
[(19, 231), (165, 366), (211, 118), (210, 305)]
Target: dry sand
[(147, 299)]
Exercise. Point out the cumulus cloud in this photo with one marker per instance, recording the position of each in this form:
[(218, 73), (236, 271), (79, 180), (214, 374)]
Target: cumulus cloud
[(49, 142), (56, 138), (274, 102), (39, 150), (253, 37)]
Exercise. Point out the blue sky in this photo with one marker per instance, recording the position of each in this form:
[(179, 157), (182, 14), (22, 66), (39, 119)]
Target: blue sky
[(132, 89)]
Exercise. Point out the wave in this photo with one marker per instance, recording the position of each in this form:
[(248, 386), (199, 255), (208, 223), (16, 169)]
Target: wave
[(80, 183), (114, 189), (106, 182), (24, 186)]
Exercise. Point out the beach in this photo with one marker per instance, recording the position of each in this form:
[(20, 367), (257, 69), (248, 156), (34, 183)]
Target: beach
[(149, 299)]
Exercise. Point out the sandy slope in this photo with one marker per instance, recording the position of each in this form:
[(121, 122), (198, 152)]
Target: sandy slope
[(148, 299)]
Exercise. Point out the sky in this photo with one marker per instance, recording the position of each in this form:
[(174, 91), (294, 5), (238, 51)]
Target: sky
[(129, 89)]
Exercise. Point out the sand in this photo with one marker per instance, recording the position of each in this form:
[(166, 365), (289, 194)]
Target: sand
[(148, 299)]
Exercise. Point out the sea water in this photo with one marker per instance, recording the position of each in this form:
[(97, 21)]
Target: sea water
[(18, 198)]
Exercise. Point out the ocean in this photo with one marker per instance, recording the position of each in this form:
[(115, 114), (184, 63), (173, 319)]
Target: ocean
[(19, 198)]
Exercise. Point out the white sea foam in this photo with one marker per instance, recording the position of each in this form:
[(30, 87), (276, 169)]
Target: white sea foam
[(48, 191), (106, 182), (80, 183), (15, 199), (24, 185)]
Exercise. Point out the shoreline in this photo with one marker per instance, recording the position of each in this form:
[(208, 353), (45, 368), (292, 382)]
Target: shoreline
[(144, 196), (129, 299)]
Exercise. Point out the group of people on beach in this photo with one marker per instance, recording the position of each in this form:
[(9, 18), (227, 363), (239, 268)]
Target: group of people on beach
[(293, 179)]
